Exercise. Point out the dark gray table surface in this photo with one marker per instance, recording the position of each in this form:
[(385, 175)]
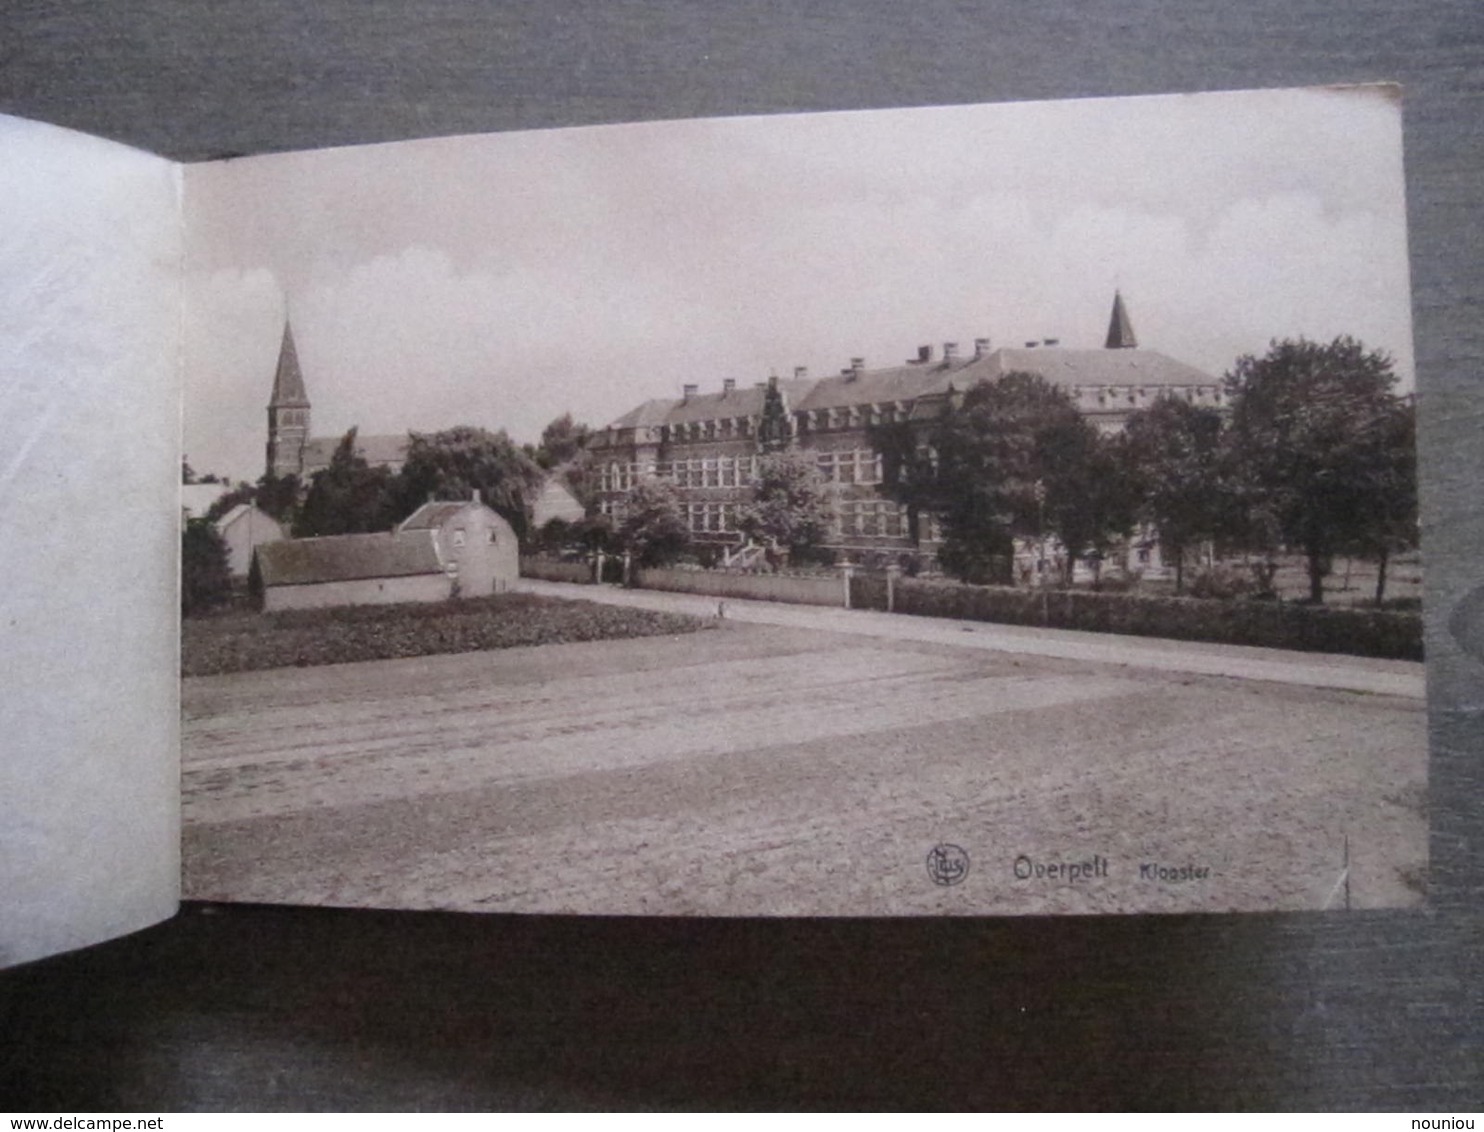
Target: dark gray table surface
[(250, 1007)]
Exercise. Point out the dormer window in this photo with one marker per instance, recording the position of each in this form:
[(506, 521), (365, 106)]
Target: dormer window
[(458, 536)]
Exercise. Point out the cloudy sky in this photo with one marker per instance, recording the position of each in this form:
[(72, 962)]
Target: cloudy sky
[(503, 280)]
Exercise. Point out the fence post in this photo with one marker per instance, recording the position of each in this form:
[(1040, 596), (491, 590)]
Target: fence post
[(893, 572), (846, 571)]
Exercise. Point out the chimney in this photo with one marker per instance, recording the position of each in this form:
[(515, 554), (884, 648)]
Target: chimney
[(857, 367), (924, 355), (1053, 341), (688, 391), (728, 384), (1031, 345), (981, 347), (950, 352), (800, 372)]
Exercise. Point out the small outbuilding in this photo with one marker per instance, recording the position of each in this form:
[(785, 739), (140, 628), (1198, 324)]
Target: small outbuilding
[(442, 550), (245, 528), (477, 546), (377, 569)]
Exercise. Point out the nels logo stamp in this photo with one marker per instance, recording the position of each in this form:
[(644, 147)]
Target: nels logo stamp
[(947, 864)]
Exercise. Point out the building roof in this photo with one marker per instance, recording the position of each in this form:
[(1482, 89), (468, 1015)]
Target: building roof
[(346, 558), (908, 383), (431, 516), (288, 381), (375, 450), (240, 512), (1062, 366)]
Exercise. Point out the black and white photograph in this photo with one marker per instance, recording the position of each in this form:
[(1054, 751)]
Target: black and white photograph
[(976, 511)]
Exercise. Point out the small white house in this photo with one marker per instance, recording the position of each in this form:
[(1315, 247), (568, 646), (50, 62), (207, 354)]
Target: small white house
[(478, 547), (375, 569), (244, 529)]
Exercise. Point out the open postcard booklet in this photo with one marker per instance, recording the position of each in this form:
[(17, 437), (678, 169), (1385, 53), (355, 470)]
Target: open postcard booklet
[(981, 510)]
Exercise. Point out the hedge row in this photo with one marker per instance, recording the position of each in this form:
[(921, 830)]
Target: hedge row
[(554, 570), (1389, 634)]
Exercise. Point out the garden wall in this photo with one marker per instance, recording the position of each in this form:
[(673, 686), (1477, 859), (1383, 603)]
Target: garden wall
[(792, 588)]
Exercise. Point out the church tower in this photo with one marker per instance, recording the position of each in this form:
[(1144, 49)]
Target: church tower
[(1120, 329), (288, 412)]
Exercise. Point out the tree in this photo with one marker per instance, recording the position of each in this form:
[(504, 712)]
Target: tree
[(653, 529), (278, 497), (791, 504), (348, 497), (1172, 450), (1393, 483), (205, 569), (561, 441), (1311, 428), (1015, 459), (455, 463)]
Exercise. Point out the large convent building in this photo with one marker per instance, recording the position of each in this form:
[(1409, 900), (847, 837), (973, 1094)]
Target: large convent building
[(709, 443)]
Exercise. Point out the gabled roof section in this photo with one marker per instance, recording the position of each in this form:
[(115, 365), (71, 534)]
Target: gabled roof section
[(431, 516), (375, 450), (1067, 367), (1120, 328), (348, 558), (288, 381)]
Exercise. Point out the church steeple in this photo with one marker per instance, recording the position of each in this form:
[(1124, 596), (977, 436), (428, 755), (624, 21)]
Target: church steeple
[(1120, 329), (288, 412)]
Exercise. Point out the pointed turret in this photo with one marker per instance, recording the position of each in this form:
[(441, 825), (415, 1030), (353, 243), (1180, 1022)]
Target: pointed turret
[(288, 412), (288, 381), (1120, 329)]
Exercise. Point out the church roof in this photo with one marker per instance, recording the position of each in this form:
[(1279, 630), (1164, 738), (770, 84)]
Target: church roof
[(375, 450), (288, 380), (347, 558)]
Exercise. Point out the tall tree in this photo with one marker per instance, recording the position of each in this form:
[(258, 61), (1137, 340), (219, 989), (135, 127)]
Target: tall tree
[(205, 569), (1015, 459), (1173, 452), (791, 504), (653, 529), (348, 497), (455, 463), (1311, 423), (1393, 485), (561, 441)]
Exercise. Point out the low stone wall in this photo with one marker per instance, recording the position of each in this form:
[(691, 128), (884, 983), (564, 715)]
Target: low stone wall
[(792, 588), (554, 570)]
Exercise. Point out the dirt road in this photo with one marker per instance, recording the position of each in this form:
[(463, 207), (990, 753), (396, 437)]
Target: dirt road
[(761, 770)]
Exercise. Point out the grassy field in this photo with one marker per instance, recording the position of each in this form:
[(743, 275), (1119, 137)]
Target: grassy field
[(246, 641)]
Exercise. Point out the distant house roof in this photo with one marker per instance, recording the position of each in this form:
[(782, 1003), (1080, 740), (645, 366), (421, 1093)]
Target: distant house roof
[(555, 501), (346, 558), (375, 450), (198, 498)]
